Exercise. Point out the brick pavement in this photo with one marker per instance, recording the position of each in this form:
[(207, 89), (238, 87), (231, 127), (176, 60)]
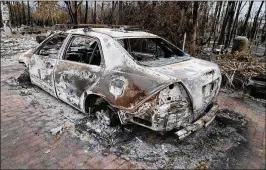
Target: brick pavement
[(23, 147)]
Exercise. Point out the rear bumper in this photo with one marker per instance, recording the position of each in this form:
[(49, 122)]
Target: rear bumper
[(204, 121)]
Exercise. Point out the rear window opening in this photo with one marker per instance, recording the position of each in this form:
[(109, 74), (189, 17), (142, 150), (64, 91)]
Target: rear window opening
[(149, 50)]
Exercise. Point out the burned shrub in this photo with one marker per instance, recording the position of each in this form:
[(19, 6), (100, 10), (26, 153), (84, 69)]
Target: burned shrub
[(238, 68)]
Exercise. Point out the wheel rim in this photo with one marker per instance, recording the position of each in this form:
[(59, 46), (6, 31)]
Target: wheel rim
[(103, 117)]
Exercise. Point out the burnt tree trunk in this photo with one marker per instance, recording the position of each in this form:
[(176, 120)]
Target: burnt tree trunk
[(112, 11), (213, 27), (23, 13), (1, 20), (255, 22), (263, 34), (86, 13), (221, 37), (80, 15), (19, 14), (102, 13), (15, 13), (119, 18), (231, 14), (73, 13), (233, 32), (205, 18), (70, 13), (94, 13), (29, 22), (243, 31), (195, 25), (218, 19), (11, 19)]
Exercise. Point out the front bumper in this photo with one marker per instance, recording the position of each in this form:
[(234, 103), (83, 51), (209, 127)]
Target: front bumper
[(204, 121)]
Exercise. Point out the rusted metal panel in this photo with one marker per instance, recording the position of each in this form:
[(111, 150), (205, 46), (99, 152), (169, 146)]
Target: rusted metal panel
[(73, 78)]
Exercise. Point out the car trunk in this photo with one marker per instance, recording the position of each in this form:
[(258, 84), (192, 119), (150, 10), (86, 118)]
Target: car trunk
[(200, 78)]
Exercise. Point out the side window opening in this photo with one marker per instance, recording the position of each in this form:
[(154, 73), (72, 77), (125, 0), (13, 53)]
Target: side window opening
[(84, 50), (52, 46)]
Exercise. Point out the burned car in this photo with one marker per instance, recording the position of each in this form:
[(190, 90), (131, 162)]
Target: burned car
[(135, 76)]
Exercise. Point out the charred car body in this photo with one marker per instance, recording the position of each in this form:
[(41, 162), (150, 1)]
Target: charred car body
[(138, 76)]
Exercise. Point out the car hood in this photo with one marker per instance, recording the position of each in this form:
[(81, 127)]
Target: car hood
[(195, 75)]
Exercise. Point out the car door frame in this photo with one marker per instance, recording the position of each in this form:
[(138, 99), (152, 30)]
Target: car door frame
[(61, 58), (48, 87)]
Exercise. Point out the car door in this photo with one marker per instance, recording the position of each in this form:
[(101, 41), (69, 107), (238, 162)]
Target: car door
[(79, 69), (41, 66)]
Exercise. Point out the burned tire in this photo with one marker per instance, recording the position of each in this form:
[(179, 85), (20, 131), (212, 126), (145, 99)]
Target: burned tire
[(40, 38), (99, 108), (106, 116)]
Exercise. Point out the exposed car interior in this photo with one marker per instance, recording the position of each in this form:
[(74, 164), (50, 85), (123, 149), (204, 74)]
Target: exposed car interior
[(149, 49), (84, 50)]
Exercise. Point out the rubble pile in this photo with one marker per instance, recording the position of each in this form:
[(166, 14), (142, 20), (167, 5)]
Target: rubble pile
[(211, 146), (238, 67), (16, 44)]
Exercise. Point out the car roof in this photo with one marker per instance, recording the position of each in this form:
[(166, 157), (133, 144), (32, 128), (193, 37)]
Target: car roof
[(115, 33)]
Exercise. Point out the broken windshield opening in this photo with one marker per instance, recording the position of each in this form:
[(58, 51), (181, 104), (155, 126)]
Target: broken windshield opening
[(152, 51)]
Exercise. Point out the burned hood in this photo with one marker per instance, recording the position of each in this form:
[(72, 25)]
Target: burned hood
[(198, 77)]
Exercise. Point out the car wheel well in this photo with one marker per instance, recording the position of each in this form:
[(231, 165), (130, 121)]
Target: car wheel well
[(95, 104), (94, 101), (91, 100)]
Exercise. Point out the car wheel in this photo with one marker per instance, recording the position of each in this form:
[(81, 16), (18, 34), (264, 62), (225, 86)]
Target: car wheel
[(99, 108), (106, 116)]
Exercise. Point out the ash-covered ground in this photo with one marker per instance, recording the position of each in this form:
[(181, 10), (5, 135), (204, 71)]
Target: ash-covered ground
[(213, 147)]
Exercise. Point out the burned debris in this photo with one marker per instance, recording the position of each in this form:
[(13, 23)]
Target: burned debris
[(227, 134), (24, 79), (256, 87)]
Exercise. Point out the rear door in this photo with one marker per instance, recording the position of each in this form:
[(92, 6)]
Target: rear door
[(41, 66), (79, 69)]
